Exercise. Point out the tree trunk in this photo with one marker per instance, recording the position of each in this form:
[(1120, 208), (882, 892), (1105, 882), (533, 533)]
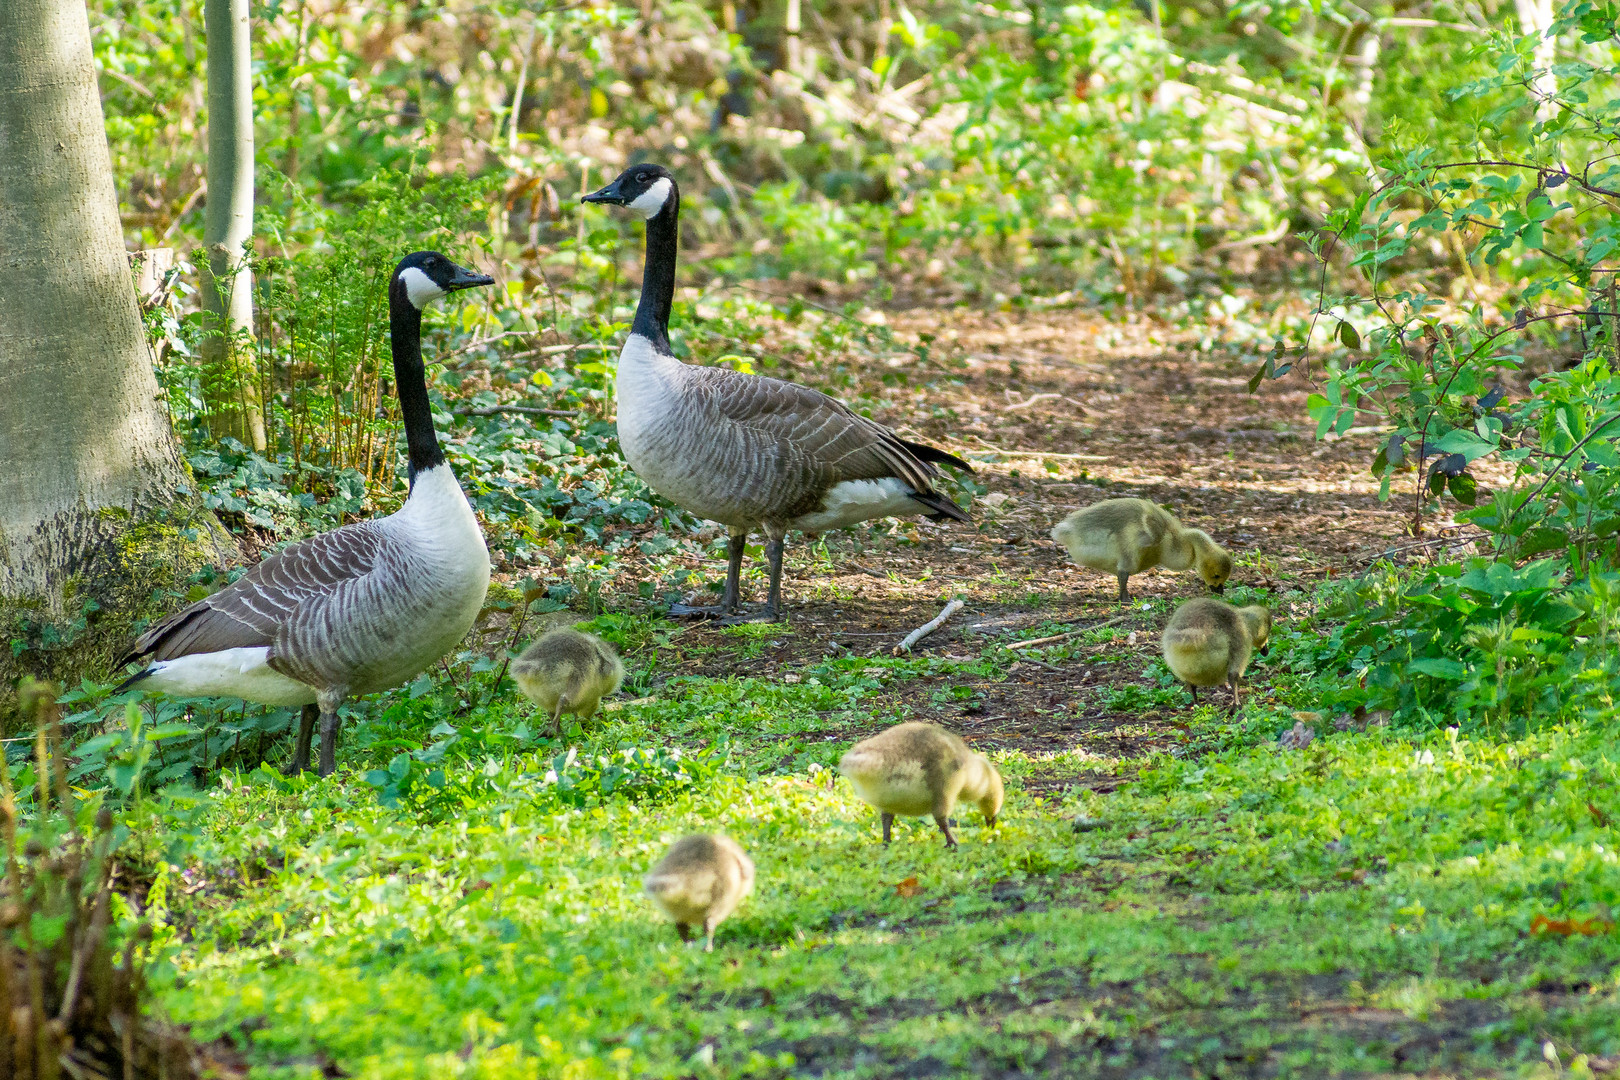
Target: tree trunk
[(94, 505), (231, 385)]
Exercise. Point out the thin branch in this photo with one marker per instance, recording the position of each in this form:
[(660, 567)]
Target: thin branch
[(928, 627)]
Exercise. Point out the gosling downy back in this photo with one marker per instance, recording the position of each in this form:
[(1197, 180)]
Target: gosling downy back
[(1127, 536), (914, 769), (1209, 642), (700, 882), (568, 670)]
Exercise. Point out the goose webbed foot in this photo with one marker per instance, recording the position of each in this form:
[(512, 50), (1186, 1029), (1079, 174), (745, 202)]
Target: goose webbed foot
[(701, 611), (763, 613)]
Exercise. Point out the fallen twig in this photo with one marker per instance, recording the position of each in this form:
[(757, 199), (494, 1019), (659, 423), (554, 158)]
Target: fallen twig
[(985, 447), (867, 570), (1033, 399), (928, 627), (527, 410), (1032, 642)]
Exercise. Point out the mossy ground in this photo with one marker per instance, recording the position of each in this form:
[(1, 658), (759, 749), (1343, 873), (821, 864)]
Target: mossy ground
[(1364, 906), (132, 567)]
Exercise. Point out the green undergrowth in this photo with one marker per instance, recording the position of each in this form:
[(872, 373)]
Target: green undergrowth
[(1376, 902)]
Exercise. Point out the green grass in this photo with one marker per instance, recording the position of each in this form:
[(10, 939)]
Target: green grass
[(1361, 907)]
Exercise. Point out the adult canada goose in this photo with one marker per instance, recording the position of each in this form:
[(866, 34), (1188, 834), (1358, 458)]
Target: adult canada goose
[(914, 769), (1127, 536), (354, 610), (749, 451), (1209, 642), (568, 670), (700, 882)]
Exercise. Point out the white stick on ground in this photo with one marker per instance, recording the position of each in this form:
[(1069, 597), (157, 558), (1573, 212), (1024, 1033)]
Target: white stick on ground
[(928, 627), (1067, 634)]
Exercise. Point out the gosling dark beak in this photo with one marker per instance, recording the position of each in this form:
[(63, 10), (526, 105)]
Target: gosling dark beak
[(612, 194), (466, 279), (1218, 588), (1265, 650)]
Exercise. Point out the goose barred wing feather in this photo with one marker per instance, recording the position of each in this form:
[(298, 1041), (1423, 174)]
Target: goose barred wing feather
[(266, 606), (814, 440)]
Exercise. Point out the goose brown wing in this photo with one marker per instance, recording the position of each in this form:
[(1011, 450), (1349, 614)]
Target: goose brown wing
[(254, 611), (822, 440)]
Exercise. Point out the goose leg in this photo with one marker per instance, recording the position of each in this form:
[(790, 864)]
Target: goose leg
[(888, 824), (329, 702), (772, 611), (732, 597), (306, 732)]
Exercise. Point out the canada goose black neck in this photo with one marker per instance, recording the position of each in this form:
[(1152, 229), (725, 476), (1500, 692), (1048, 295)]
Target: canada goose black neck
[(658, 273), (410, 380)]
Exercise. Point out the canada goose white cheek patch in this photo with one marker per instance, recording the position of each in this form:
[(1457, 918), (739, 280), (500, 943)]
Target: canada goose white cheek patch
[(421, 289), (649, 202)]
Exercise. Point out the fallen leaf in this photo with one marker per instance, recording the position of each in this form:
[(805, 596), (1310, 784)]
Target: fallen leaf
[(908, 888), (1569, 927)]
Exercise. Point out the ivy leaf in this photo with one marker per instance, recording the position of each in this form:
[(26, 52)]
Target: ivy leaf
[(1395, 451), (1463, 488), (1348, 336)]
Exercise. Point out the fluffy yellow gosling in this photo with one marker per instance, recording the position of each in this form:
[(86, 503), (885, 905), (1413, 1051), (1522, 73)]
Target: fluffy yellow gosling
[(700, 882), (1127, 536), (568, 671), (915, 769), (1209, 642)]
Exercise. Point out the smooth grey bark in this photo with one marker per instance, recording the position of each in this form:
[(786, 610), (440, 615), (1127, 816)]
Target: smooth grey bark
[(90, 475), (231, 385)]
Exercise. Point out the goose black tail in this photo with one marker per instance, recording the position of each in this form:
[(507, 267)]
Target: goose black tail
[(924, 452), (941, 507), (132, 680)]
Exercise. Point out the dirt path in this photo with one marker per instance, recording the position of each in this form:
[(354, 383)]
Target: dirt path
[(1057, 410)]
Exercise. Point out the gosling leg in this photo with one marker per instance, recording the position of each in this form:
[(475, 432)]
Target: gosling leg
[(944, 824), (1237, 702), (708, 935), (306, 733), (888, 823), (329, 702), (683, 930), (1124, 596), (1193, 690), (556, 719)]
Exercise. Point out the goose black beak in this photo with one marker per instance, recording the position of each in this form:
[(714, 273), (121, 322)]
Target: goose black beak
[(466, 279), (612, 194)]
